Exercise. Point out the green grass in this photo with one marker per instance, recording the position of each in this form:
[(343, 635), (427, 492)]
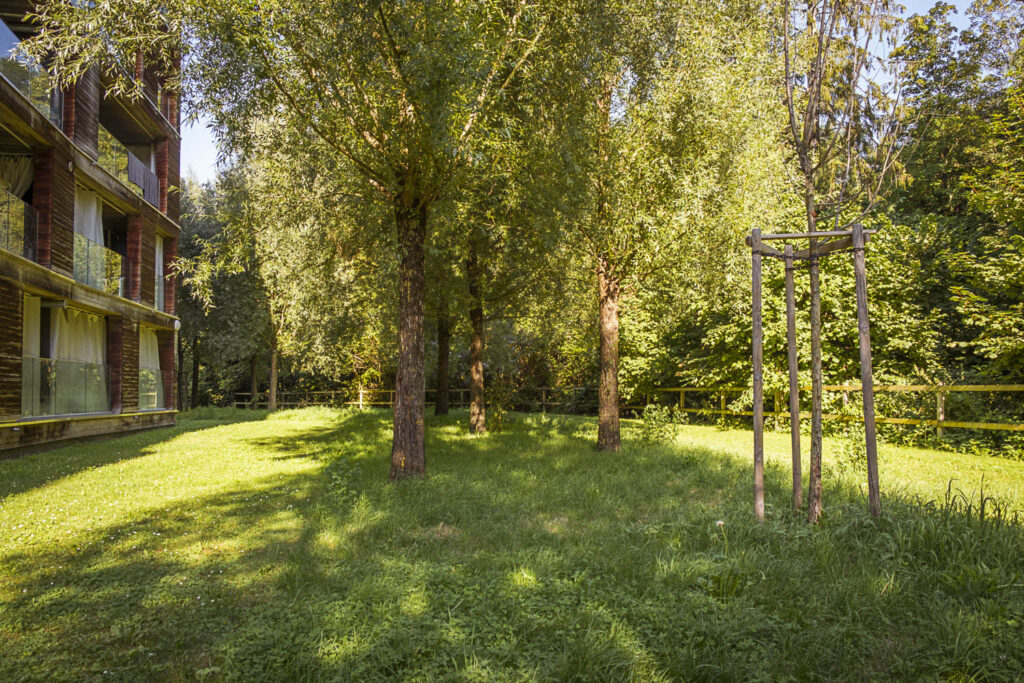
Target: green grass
[(273, 548)]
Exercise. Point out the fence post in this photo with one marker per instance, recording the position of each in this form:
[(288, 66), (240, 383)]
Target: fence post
[(360, 397), (682, 399), (543, 401), (866, 381), (757, 354), (940, 411)]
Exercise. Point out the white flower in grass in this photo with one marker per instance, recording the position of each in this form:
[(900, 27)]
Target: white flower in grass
[(720, 523)]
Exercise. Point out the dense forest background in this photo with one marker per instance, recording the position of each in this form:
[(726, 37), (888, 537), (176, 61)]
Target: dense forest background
[(281, 267)]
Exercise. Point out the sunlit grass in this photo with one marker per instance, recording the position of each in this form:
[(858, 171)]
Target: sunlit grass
[(273, 548)]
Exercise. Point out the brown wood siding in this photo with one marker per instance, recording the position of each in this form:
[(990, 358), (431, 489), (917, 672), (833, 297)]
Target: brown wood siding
[(174, 179), (134, 249), (147, 256), (11, 300), (87, 112), (115, 359), (162, 170), (170, 277), (62, 227), (68, 115), (42, 202), (129, 365), (33, 436)]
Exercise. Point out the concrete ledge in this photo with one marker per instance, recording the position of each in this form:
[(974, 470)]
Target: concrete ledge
[(18, 438)]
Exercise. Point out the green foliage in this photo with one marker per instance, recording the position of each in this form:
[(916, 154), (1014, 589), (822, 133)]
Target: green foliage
[(659, 424), (273, 548)]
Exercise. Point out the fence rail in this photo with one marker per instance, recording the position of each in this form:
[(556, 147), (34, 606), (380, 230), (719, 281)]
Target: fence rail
[(562, 398)]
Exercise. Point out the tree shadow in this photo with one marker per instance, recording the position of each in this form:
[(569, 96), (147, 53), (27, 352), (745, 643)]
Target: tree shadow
[(524, 554)]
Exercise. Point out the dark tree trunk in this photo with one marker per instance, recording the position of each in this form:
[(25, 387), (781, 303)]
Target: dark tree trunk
[(194, 397), (477, 413), (253, 383), (181, 371), (272, 389), (444, 342), (608, 438), (407, 446)]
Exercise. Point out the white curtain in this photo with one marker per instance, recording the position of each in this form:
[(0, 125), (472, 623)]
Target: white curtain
[(149, 349), (78, 336), (151, 387), (31, 317), (16, 171), (89, 215)]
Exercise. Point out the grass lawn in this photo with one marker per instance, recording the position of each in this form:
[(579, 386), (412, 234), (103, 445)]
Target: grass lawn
[(273, 548)]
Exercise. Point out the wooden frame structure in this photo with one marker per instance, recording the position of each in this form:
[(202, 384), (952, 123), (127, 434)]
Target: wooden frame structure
[(837, 241)]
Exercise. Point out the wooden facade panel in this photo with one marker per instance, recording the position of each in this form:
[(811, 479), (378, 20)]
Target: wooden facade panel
[(170, 277), (30, 435), (174, 179), (11, 299), (87, 112), (134, 251), (42, 202), (62, 227), (165, 344), (115, 359), (147, 256), (129, 365)]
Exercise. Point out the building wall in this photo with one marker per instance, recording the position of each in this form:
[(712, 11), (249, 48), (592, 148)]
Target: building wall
[(10, 350)]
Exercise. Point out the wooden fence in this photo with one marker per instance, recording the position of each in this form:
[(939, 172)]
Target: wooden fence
[(584, 399)]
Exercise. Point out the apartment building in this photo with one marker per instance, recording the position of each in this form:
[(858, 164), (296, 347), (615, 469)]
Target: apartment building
[(88, 232)]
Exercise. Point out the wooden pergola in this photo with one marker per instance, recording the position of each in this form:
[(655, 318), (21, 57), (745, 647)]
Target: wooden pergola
[(819, 244)]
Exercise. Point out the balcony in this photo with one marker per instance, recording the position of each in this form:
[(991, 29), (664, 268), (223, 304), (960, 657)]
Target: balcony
[(59, 387), (29, 78), (19, 226), (99, 267), (126, 167)]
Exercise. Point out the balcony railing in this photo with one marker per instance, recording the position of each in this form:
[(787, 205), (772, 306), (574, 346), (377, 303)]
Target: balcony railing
[(151, 389), (126, 167), (19, 226), (61, 387), (99, 267), (30, 78)]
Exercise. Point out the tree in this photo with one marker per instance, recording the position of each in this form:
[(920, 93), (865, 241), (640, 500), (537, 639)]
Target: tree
[(393, 93)]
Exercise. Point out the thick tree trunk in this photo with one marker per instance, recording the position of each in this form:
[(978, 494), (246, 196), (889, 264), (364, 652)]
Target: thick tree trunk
[(477, 411), (272, 389), (407, 445), (253, 383), (193, 400), (444, 342), (608, 438)]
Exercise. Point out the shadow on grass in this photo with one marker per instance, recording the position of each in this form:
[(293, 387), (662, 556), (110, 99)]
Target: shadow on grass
[(524, 554)]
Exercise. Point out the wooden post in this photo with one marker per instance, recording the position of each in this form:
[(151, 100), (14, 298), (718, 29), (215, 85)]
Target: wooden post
[(794, 382), (940, 411), (360, 397), (682, 399), (814, 478), (866, 381), (755, 243)]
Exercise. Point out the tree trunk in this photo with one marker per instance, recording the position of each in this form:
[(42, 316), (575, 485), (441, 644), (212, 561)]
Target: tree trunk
[(608, 438), (444, 338), (272, 389), (253, 383), (477, 412), (407, 445), (814, 477), (181, 371), (194, 396)]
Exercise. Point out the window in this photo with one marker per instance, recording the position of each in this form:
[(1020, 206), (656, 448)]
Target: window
[(151, 385)]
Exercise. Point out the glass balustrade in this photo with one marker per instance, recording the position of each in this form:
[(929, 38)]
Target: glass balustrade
[(18, 226), (118, 160), (29, 77), (99, 267), (151, 389), (59, 387)]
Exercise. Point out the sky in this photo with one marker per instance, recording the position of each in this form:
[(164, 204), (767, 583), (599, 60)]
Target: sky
[(199, 149)]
